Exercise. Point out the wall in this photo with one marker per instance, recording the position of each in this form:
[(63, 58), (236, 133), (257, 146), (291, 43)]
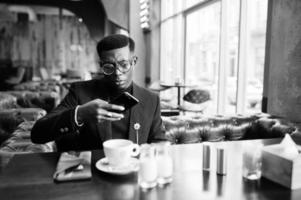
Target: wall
[(147, 43), (284, 64), (52, 42), (116, 12), (137, 34), (91, 11), (154, 61)]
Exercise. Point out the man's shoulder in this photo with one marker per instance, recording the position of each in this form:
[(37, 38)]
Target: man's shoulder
[(85, 84), (145, 94), (145, 91)]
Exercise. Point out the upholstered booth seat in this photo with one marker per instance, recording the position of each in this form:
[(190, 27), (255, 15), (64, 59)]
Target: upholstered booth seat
[(189, 129), (11, 118), (49, 85), (46, 100), (27, 114), (11, 115), (7, 101), (15, 125), (19, 142)]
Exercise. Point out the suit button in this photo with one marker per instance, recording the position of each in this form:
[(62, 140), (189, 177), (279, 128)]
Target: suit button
[(62, 130)]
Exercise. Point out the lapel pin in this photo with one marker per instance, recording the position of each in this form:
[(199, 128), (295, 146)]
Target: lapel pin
[(137, 127)]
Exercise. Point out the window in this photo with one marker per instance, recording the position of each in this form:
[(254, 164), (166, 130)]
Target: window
[(218, 45), (171, 45), (202, 49)]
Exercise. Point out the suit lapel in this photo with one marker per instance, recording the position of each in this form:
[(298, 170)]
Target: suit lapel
[(133, 120), (136, 114)]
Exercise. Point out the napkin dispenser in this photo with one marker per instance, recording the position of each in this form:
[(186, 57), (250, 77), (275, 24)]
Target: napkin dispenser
[(281, 163)]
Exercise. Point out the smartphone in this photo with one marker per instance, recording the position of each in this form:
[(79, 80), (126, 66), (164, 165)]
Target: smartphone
[(126, 100)]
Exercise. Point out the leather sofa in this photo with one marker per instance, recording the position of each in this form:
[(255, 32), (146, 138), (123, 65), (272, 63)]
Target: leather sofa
[(46, 100), (20, 108), (46, 85), (15, 125), (12, 114), (194, 129)]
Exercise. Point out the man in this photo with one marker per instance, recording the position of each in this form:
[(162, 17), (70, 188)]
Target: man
[(85, 118)]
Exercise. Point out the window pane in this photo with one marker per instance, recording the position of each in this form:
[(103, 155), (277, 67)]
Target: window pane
[(257, 16), (232, 57), (171, 50), (202, 50), (170, 7), (171, 54)]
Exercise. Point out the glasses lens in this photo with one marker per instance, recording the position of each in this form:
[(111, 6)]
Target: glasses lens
[(124, 66), (108, 68)]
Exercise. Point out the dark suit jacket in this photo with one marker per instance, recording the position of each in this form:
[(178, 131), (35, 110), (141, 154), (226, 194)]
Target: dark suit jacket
[(59, 124)]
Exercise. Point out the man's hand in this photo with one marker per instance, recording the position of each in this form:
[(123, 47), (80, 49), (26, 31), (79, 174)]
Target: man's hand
[(98, 110)]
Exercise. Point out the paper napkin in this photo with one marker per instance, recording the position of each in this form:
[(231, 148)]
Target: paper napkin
[(288, 147)]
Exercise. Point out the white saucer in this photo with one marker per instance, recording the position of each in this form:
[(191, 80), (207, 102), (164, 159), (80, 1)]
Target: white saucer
[(104, 166)]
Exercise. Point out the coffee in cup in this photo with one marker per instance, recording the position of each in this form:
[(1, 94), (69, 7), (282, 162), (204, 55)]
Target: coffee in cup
[(119, 151)]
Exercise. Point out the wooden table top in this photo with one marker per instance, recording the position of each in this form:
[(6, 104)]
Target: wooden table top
[(29, 176)]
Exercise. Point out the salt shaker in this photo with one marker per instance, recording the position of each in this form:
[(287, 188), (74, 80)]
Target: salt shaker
[(147, 175), (221, 160), (164, 163), (206, 155)]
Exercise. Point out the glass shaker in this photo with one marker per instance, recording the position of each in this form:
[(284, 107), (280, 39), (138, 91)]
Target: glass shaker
[(252, 159), (164, 163), (147, 175)]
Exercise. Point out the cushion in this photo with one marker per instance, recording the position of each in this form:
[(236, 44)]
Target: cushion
[(11, 118), (197, 96), (46, 100), (4, 135), (26, 146), (7, 101), (19, 141), (50, 85)]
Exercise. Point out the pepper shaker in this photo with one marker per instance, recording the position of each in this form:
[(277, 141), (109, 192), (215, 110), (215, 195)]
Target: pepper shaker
[(206, 155)]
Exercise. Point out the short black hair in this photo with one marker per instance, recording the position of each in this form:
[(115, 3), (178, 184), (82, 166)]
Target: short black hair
[(115, 41)]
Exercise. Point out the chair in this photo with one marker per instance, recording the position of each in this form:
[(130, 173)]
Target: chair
[(196, 100), (166, 108)]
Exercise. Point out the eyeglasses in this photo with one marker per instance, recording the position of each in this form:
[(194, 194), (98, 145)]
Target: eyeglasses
[(109, 67)]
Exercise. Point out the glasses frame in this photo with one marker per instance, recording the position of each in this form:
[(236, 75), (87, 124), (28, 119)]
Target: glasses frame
[(116, 65)]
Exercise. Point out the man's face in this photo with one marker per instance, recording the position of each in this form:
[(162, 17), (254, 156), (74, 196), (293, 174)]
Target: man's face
[(122, 80)]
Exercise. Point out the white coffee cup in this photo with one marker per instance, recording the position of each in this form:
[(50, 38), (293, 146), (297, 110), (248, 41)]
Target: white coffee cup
[(119, 151)]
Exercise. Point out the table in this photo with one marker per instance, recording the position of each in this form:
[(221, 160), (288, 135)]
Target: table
[(29, 176)]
